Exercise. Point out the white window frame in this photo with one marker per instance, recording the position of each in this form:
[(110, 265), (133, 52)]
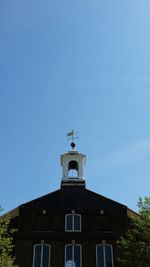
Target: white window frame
[(73, 214), (73, 245), (42, 245), (103, 245)]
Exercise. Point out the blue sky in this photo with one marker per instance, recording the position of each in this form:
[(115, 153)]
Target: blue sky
[(81, 65)]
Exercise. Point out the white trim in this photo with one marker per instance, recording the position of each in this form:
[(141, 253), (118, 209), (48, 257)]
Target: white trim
[(104, 253), (49, 255), (73, 214), (103, 245), (33, 256), (41, 256), (112, 255), (72, 247)]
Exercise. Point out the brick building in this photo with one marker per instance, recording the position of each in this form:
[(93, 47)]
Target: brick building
[(71, 227)]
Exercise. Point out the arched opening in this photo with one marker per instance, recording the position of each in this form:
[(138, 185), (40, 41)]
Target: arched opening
[(73, 169)]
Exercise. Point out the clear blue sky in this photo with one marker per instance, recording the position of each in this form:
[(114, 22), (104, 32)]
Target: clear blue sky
[(81, 65)]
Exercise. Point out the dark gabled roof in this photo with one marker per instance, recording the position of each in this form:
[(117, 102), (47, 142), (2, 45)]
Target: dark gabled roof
[(69, 197), (41, 199), (105, 198), (72, 193)]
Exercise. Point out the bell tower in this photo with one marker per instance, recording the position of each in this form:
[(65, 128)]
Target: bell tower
[(73, 163)]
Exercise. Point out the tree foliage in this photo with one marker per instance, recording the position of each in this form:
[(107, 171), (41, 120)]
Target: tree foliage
[(6, 242), (134, 247)]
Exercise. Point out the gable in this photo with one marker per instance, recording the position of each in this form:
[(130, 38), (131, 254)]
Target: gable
[(74, 197)]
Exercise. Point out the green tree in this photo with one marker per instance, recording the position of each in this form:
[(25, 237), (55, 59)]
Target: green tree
[(134, 246), (6, 242)]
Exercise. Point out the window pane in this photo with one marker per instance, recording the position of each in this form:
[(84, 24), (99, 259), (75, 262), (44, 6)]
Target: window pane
[(77, 256), (45, 262), (108, 256), (77, 222), (68, 253), (100, 256), (37, 256), (69, 222)]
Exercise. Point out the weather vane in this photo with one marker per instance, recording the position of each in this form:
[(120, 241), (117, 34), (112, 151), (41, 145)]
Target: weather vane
[(72, 136)]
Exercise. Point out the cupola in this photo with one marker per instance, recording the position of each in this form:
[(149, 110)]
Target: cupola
[(73, 163)]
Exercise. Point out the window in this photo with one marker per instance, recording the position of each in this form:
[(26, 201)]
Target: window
[(104, 255), (73, 255), (41, 255), (73, 222)]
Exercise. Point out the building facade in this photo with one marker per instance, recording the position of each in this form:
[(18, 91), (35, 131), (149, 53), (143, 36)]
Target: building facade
[(71, 227)]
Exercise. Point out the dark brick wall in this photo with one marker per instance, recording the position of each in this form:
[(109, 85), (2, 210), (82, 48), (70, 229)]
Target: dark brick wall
[(34, 226)]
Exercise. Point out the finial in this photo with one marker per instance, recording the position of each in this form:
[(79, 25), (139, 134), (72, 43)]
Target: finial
[(72, 136)]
